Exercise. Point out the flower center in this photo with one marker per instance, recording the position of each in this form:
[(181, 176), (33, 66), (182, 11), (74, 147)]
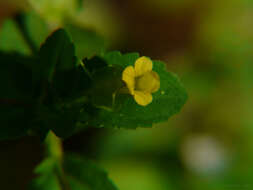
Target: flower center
[(147, 82)]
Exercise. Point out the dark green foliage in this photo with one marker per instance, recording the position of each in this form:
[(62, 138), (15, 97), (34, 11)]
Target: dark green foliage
[(16, 95), (57, 53), (94, 63), (42, 93), (46, 90), (72, 83), (61, 120), (16, 76), (76, 173), (84, 174), (107, 81), (55, 91), (66, 83), (48, 176), (15, 120)]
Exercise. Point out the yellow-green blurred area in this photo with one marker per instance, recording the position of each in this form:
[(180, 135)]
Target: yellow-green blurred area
[(209, 45)]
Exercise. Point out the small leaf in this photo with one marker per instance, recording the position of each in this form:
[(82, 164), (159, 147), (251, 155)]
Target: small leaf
[(48, 178), (78, 174), (57, 52), (58, 64), (84, 174), (66, 84)]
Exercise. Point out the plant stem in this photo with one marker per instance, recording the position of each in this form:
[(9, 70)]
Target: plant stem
[(85, 69), (54, 146), (19, 19), (55, 150)]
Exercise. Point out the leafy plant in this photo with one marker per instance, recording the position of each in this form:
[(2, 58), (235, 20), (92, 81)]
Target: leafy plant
[(51, 89)]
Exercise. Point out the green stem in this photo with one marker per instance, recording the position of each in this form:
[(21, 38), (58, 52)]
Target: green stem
[(55, 150), (54, 146), (85, 69), (19, 19)]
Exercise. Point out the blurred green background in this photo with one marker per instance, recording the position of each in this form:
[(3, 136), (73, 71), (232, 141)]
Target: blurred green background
[(208, 44)]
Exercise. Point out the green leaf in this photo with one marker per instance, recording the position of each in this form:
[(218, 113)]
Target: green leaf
[(84, 174), (58, 52), (127, 113), (88, 43), (105, 86), (58, 64), (77, 174), (66, 83), (48, 178)]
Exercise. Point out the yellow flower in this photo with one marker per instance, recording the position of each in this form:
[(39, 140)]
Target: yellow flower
[(141, 81)]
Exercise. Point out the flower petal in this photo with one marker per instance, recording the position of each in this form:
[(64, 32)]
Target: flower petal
[(142, 98), (128, 76), (142, 65), (155, 82)]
